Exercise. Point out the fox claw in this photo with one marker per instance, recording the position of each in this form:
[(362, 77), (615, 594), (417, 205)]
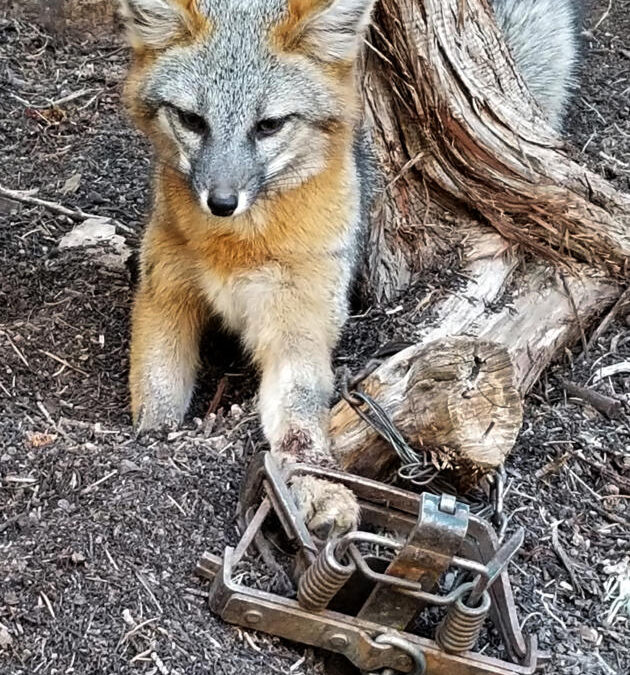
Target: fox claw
[(329, 509)]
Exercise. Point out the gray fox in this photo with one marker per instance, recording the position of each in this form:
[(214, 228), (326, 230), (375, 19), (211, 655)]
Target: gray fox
[(261, 190)]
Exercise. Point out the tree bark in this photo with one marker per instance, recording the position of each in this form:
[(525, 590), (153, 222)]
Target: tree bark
[(459, 136), (470, 163)]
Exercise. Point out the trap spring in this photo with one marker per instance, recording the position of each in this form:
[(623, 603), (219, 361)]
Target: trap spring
[(361, 595)]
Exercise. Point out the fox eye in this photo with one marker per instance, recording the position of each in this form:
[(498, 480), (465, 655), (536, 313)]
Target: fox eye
[(192, 121), (270, 126)]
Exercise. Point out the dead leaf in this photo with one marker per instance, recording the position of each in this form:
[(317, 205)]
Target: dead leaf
[(72, 184), (37, 439), (5, 638)]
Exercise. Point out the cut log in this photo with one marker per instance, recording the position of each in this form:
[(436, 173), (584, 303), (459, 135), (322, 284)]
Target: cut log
[(458, 391), (455, 396)]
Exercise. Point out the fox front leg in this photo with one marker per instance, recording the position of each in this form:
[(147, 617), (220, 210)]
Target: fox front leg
[(292, 337), (166, 328), (294, 403)]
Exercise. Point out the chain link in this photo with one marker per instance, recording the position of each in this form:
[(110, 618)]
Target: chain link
[(417, 468), (415, 653)]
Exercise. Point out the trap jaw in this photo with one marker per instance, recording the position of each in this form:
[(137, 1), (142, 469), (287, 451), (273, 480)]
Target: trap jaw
[(360, 605)]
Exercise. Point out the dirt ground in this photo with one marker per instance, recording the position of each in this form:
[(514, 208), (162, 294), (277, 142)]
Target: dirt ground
[(100, 531)]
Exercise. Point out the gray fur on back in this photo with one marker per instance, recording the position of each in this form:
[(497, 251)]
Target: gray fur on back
[(543, 38)]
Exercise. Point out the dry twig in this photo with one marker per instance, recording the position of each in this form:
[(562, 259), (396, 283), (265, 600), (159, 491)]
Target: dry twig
[(606, 405), (77, 215), (564, 558), (621, 305)]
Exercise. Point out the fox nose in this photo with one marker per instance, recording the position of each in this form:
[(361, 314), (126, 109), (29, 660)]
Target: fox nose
[(222, 204)]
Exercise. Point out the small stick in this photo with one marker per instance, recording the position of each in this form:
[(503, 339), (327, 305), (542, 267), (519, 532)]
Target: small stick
[(69, 98), (612, 517), (17, 351), (608, 474), (46, 414), (620, 305), (78, 215), (48, 604), (564, 558), (64, 362), (218, 396), (91, 487), (55, 207), (136, 629), (177, 506), (142, 656), (606, 405), (111, 559), (55, 103), (584, 485), (603, 17), (5, 390), (147, 588)]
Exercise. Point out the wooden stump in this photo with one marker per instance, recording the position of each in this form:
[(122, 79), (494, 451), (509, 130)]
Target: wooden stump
[(520, 318), (456, 395), (471, 164)]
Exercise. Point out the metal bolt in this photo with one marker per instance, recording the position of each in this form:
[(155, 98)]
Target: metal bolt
[(253, 617), (338, 641)]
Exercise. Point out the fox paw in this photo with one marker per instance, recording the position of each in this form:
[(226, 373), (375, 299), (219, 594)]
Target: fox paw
[(329, 509)]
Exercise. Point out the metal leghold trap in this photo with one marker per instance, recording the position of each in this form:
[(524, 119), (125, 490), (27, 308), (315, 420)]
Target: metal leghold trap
[(371, 594)]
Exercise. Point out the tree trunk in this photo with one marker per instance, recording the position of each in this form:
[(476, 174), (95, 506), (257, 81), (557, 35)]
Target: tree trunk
[(458, 135), (469, 162)]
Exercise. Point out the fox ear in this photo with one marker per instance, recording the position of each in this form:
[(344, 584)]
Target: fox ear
[(152, 24), (333, 29)]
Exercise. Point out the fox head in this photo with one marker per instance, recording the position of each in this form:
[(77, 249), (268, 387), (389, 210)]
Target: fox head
[(244, 98)]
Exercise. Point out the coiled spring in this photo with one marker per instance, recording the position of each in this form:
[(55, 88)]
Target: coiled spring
[(323, 579), (460, 630)]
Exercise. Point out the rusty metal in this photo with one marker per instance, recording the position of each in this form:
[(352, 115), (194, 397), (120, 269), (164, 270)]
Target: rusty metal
[(497, 565), (462, 625), (326, 576), (429, 551), (320, 619), (324, 579), (397, 509), (482, 544), (284, 618), (414, 652)]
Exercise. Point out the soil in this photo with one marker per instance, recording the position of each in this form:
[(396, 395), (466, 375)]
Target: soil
[(100, 530)]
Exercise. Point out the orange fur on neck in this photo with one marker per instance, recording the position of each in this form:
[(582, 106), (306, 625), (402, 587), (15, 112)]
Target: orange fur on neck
[(285, 228)]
